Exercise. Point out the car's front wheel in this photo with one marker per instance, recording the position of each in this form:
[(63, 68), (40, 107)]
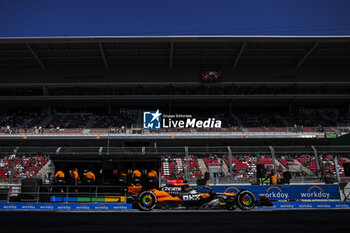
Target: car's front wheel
[(147, 201)]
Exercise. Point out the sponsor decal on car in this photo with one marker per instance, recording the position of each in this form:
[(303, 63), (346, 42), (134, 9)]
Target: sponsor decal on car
[(193, 197)]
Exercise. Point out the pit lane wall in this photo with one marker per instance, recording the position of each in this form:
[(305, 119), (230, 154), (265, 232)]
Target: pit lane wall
[(287, 192)]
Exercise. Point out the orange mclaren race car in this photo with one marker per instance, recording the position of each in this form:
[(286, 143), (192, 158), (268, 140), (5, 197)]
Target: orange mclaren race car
[(180, 196)]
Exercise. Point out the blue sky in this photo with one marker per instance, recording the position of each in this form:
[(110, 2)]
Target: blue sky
[(43, 18)]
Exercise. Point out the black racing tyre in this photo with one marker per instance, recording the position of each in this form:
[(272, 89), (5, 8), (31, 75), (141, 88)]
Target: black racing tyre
[(147, 200), (245, 200)]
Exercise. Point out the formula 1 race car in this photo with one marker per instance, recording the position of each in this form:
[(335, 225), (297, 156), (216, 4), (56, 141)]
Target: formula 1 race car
[(180, 196)]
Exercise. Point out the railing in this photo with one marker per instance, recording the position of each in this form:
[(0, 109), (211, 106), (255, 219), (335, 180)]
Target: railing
[(138, 131), (67, 193)]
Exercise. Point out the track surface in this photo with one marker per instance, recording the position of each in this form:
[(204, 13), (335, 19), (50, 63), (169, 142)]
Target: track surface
[(178, 221)]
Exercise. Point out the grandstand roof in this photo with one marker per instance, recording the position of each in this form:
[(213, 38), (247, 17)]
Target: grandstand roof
[(222, 51)]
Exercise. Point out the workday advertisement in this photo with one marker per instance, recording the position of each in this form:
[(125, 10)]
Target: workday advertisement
[(288, 192), (64, 206)]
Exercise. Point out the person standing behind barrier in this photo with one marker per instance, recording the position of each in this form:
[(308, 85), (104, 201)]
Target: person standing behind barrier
[(152, 177), (90, 177), (76, 178), (152, 174), (274, 177), (122, 176), (59, 178), (136, 176), (287, 176)]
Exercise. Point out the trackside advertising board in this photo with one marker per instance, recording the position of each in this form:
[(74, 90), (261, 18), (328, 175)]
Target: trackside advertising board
[(308, 205), (64, 206), (288, 192), (118, 207)]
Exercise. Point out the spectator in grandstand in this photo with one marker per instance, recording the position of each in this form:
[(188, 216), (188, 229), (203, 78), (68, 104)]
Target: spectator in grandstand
[(8, 130)]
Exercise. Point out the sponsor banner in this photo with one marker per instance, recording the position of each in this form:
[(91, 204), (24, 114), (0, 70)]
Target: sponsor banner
[(308, 205), (287, 192), (64, 206), (114, 199), (110, 206)]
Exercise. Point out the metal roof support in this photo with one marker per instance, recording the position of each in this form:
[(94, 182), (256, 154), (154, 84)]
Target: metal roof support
[(137, 53), (155, 147), (273, 157), (16, 150), (3, 55), (205, 53), (58, 150), (171, 55), (230, 163), (235, 64), (35, 56), (103, 55), (187, 158), (100, 150), (318, 170), (306, 55), (337, 168), (13, 167)]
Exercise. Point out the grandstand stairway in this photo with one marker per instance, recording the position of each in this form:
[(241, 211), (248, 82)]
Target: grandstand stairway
[(91, 122), (43, 171), (283, 120), (279, 164), (305, 169), (46, 122), (224, 167), (179, 164), (239, 121), (202, 165)]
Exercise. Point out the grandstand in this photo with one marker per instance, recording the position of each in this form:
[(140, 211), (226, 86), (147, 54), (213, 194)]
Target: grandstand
[(306, 167), (69, 92)]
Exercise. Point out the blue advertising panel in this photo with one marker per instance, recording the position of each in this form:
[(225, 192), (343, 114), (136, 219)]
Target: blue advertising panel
[(287, 192), (64, 206), (116, 206), (308, 205), (42, 18)]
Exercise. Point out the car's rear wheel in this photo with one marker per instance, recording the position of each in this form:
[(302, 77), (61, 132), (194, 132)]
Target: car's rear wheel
[(245, 200), (147, 201)]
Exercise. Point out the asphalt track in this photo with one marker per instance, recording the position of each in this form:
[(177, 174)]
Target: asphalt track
[(177, 221)]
